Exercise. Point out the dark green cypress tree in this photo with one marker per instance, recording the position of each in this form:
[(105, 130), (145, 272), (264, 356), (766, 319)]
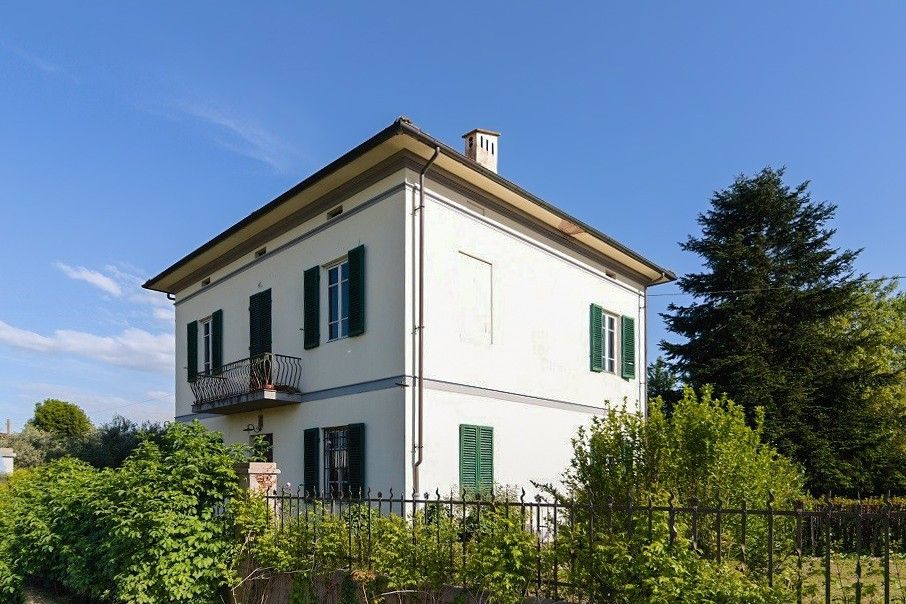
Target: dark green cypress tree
[(760, 326)]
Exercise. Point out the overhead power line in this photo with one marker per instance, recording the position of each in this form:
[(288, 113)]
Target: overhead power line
[(760, 289)]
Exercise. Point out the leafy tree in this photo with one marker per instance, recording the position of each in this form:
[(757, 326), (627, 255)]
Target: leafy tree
[(34, 446), (663, 382), (146, 532), (878, 326), (111, 443), (61, 418), (760, 328)]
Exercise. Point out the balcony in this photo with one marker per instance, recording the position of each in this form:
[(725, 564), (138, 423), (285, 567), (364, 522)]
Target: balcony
[(259, 382)]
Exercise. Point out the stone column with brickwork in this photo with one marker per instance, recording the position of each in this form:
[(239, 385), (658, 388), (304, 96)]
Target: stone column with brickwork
[(258, 476)]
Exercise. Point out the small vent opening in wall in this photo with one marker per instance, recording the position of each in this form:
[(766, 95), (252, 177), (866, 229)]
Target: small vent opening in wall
[(206, 282), (611, 274), (334, 212), (261, 252)]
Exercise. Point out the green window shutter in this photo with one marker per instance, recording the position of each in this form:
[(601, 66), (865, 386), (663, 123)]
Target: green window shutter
[(357, 291), (355, 449), (596, 337), (485, 457), (260, 323), (311, 298), (627, 351), (311, 451), (217, 341), (468, 457), (192, 351)]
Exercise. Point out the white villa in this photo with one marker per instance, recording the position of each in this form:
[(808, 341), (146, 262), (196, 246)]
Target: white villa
[(405, 317)]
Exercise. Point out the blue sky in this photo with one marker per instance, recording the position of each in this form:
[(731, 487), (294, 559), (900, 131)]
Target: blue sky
[(131, 133)]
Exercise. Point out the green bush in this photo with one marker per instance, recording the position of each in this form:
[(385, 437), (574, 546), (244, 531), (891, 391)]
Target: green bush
[(145, 533)]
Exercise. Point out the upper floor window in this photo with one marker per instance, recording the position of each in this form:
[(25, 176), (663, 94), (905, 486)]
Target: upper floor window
[(610, 343), (207, 337), (338, 301)]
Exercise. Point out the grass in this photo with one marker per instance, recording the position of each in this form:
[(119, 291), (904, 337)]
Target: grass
[(843, 580)]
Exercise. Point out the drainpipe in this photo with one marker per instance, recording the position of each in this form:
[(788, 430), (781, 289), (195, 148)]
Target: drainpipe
[(419, 447)]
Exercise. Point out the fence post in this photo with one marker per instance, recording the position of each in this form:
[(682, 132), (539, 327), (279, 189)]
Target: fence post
[(827, 549), (887, 511), (258, 476), (671, 519), (799, 516), (859, 550), (770, 538)]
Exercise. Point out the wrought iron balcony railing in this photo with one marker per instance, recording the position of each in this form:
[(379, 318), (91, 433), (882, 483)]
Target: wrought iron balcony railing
[(267, 371)]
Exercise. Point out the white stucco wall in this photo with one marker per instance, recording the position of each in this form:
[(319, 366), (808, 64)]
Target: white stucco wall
[(376, 354), (536, 358), (348, 362), (7, 461), (382, 412), (506, 335)]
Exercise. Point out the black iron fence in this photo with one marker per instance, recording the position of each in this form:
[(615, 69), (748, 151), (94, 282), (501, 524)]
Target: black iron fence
[(264, 371), (813, 552)]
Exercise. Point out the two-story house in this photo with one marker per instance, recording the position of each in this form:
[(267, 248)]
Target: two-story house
[(405, 317)]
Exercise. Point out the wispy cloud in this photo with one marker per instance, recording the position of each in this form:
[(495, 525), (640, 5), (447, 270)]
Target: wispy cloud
[(240, 135), (39, 63), (152, 405), (124, 285), (132, 348), (95, 278)]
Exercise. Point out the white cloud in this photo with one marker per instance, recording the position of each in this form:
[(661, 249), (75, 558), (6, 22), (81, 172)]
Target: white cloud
[(243, 136), (124, 285), (95, 278), (39, 63), (165, 314), (132, 348)]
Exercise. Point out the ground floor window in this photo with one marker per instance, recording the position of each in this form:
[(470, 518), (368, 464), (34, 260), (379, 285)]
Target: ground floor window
[(336, 460), (476, 457)]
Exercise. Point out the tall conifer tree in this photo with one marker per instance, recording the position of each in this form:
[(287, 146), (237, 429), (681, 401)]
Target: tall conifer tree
[(759, 326)]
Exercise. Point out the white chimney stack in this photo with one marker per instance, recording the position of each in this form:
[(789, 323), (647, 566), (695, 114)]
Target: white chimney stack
[(482, 146)]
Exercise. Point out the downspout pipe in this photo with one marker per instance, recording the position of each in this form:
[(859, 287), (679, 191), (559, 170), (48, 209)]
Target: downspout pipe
[(420, 337)]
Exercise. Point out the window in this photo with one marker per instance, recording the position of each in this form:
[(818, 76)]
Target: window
[(610, 343), (336, 460), (207, 337), (476, 457), (338, 301)]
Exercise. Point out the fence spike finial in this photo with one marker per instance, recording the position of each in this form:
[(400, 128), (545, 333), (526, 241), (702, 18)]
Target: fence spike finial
[(391, 493), (437, 492), (522, 496)]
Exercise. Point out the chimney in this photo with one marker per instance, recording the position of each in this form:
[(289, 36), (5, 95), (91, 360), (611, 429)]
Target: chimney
[(482, 147)]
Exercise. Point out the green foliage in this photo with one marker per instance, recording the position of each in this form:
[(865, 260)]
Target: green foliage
[(61, 418), (761, 328), (34, 446), (109, 445), (664, 383), (501, 557), (143, 533), (104, 447)]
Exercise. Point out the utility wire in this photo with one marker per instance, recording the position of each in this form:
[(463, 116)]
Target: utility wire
[(761, 289)]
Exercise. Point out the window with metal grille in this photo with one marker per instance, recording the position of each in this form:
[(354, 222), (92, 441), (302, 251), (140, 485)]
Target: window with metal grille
[(338, 301), (336, 460)]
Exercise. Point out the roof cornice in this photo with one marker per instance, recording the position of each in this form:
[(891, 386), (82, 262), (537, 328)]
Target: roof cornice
[(450, 159)]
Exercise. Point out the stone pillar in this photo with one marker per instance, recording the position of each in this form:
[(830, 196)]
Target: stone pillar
[(258, 476)]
